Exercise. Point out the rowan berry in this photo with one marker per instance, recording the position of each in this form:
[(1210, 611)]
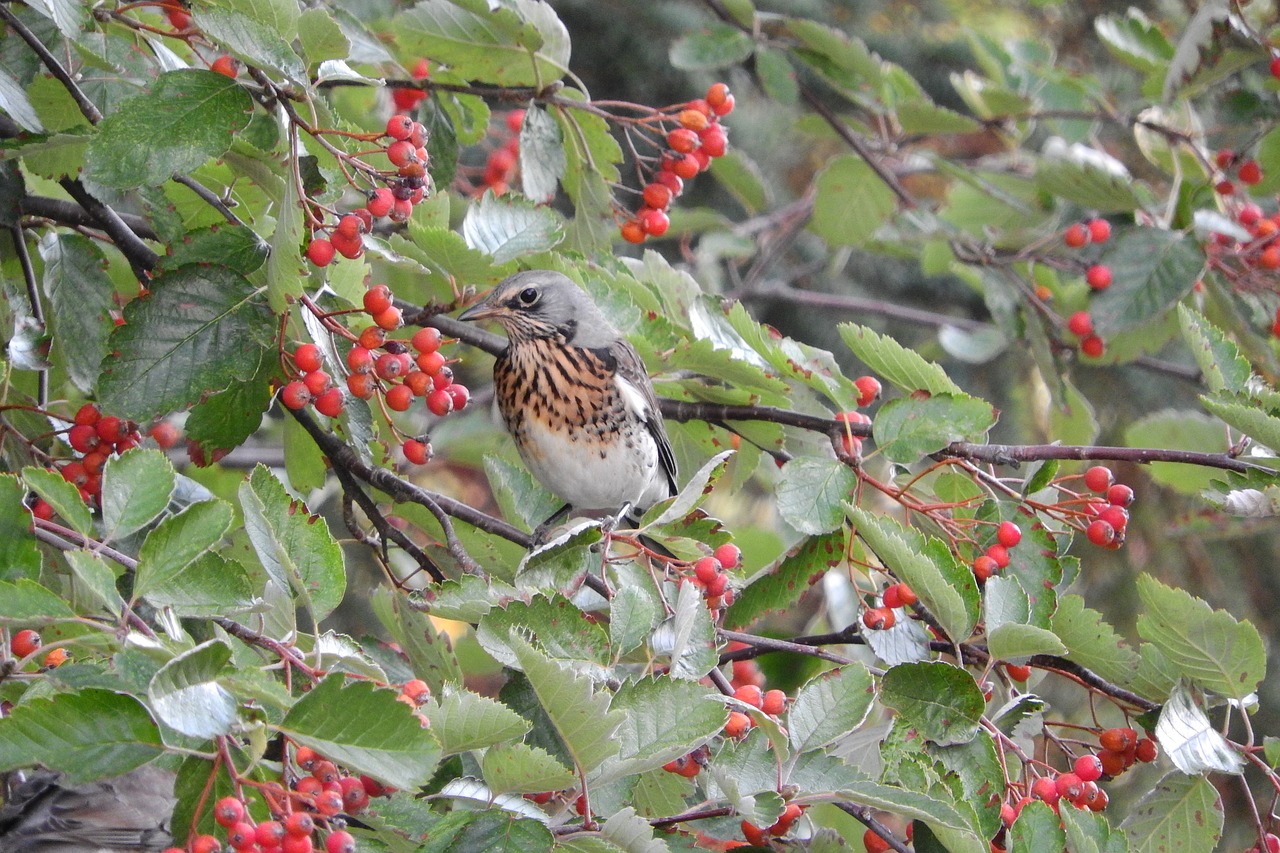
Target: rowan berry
[(1250, 173), (873, 842), (1098, 276), (1147, 751), (737, 724), (228, 811), (1018, 672), (1008, 534), (1088, 767), (269, 833), (1118, 739), (751, 694), (299, 824), (657, 196), (330, 403), (1080, 324), (1099, 230), (320, 252), (25, 642), (716, 95), (83, 438), (1076, 235), (878, 618), (1092, 346), (295, 395), (653, 222), (440, 402), (729, 555), (868, 390), (242, 836), (1045, 790), (399, 398), (389, 319), (381, 202), (317, 382), (205, 844), (632, 231), (226, 66), (774, 702), (427, 339), (706, 570), (340, 841), (714, 141)]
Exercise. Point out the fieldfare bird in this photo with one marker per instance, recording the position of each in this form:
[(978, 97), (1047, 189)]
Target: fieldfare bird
[(575, 396)]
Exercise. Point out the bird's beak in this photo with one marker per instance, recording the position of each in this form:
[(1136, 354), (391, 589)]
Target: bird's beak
[(481, 310)]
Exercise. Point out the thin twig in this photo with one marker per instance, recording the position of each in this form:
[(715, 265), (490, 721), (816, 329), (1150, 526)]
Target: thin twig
[(208, 196), (51, 62)]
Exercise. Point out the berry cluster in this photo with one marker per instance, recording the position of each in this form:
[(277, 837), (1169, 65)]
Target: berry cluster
[(895, 597), (709, 574), (382, 367), (697, 138), (503, 159), (772, 702), (407, 99), (1097, 276), (1110, 514), (27, 643), (1247, 172), (996, 556), (95, 437), (758, 837), (405, 187)]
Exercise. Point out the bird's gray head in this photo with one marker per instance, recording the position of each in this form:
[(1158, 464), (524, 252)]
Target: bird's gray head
[(538, 303)]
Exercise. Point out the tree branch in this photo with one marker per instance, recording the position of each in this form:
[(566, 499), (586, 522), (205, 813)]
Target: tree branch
[(140, 256), (69, 213), (50, 61)]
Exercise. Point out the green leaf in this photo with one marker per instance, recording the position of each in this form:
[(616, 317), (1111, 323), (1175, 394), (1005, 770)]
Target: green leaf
[(365, 729), (19, 556), (1093, 643), (93, 734), (563, 631), (542, 157), (62, 496), (80, 293), (829, 707), (783, 584), (1086, 177), (177, 541), (135, 489), (186, 696), (896, 364), (1219, 359), (199, 331), (908, 429), (1181, 812), (592, 157), (840, 222), (236, 246), (687, 639), (295, 547), (507, 228), (1151, 270), (463, 721), (579, 714), (429, 651), (25, 601), (490, 830), (1037, 828), (321, 37), (94, 574), (523, 769), (1189, 738), (1012, 632), (634, 611), (777, 77), (250, 41), (1179, 429), (718, 46), (1245, 415), (186, 118), (520, 44), (1135, 40), (1208, 646), (811, 492), (650, 735), (208, 586), (224, 420), (927, 566), (942, 702)]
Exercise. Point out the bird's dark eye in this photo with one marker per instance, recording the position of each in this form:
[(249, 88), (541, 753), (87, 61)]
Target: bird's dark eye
[(528, 296)]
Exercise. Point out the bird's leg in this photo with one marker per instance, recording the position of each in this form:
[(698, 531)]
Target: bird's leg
[(540, 532)]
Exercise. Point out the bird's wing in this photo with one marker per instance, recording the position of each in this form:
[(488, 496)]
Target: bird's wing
[(629, 367)]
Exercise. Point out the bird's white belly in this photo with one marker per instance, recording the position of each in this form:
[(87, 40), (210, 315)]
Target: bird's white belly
[(577, 472)]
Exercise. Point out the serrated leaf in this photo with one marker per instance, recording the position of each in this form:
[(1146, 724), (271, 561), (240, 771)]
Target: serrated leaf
[(1210, 647), (224, 420), (1086, 176), (95, 575), (718, 46), (908, 429), (1180, 812), (135, 489), (634, 611), (1177, 429), (236, 246), (366, 730), (834, 218), (1134, 39), (1091, 642), (88, 735), (80, 293), (542, 157), (1011, 632), (894, 363), (1151, 270), (1219, 359), (251, 41), (927, 566), (521, 44), (1037, 828), (829, 707), (649, 735), (429, 651), (295, 547), (321, 37), (523, 769), (62, 496), (579, 713), (507, 228), (1245, 415), (17, 105), (811, 492), (177, 541), (463, 720), (562, 630), (186, 696), (694, 492), (25, 601), (186, 118), (208, 586), (687, 639), (939, 700), (632, 833), (198, 332), (1189, 739), (19, 556)]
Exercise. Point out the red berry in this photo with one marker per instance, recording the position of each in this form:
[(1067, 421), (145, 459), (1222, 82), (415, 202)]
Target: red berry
[(725, 107), (340, 841), (179, 19), (1113, 763), (329, 403), (295, 395), (381, 202), (25, 642), (872, 841), (1092, 346), (83, 438), (737, 725), (427, 339), (1008, 534), (749, 693), (714, 141), (514, 120), (1115, 515), (1099, 230), (682, 139), (430, 363), (657, 196), (269, 833), (671, 181), (329, 803), (402, 152), (348, 246), (228, 811), (439, 402), (632, 231), (1098, 276), (868, 390), (729, 555), (1118, 739), (299, 824), (1088, 767), (399, 398), (296, 844), (389, 319), (377, 299), (320, 252), (205, 844), (225, 66), (1147, 751), (307, 357), (401, 210), (716, 95), (417, 452), (317, 382), (1069, 786), (1080, 324), (242, 836), (774, 702), (1098, 478), (111, 429), (984, 567), (878, 618), (1000, 554), (653, 222), (87, 414), (1076, 235), (706, 570), (1250, 172), (399, 126), (1100, 533), (907, 594), (1225, 157), (1018, 672), (459, 394), (685, 167)]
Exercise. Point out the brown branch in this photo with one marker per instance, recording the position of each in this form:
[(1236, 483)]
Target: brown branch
[(254, 638), (86, 106), (1014, 455), (68, 213), (140, 256)]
